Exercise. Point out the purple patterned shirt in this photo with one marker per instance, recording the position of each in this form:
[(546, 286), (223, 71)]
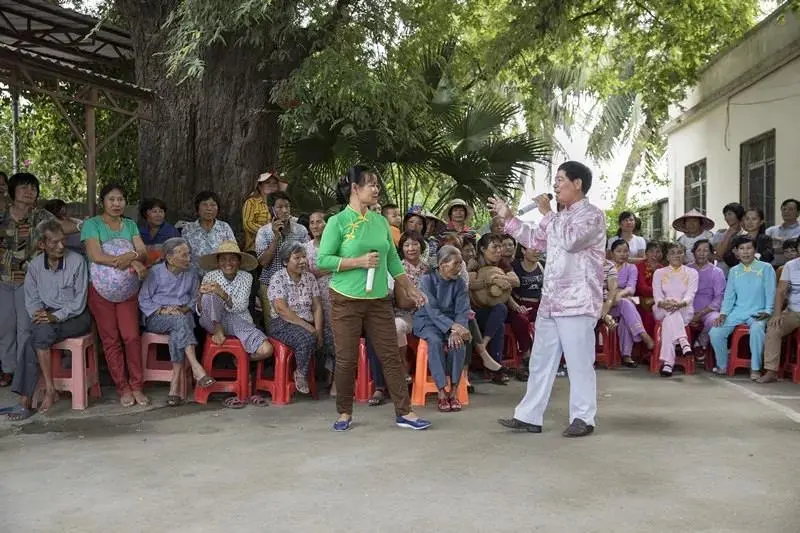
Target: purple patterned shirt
[(574, 240)]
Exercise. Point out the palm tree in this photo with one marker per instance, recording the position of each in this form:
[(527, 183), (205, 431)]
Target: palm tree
[(467, 149)]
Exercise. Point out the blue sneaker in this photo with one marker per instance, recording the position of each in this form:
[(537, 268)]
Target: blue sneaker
[(419, 423), (342, 425)]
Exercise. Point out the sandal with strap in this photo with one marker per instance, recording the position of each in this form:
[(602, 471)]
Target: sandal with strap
[(258, 400), (455, 405), (666, 371), (233, 402), (174, 400), (378, 398), (628, 362), (206, 381), (444, 405)]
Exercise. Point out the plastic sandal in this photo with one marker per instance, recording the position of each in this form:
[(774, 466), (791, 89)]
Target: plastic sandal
[(455, 405), (444, 405), (206, 381), (378, 398), (258, 400), (233, 402)]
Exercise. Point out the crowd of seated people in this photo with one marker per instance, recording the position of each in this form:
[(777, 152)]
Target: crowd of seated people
[(197, 281)]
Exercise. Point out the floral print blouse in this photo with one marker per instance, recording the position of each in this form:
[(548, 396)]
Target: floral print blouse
[(298, 295)]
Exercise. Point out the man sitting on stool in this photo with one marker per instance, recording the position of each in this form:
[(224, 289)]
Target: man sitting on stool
[(784, 321), (55, 298)]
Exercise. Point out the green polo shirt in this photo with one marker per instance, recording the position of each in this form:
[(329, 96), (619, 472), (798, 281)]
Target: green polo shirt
[(350, 234)]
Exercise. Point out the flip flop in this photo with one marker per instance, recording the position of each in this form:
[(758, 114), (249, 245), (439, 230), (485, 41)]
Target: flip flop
[(233, 402), (258, 400), (206, 381), (18, 415)]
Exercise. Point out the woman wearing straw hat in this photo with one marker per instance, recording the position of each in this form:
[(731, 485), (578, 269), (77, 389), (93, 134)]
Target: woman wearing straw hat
[(224, 296), (695, 226), (458, 216)]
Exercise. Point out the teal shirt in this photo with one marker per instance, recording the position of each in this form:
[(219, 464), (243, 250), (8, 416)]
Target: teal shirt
[(750, 290), (96, 228), (350, 234)]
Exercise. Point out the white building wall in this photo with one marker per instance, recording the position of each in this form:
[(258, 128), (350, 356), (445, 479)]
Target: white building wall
[(716, 135)]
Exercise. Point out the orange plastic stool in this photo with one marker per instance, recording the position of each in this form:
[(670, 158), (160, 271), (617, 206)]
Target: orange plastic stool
[(423, 386), (365, 386), (512, 359), (83, 375), (791, 366), (736, 359), (281, 386), (687, 363), (606, 348), (155, 370), (240, 385)]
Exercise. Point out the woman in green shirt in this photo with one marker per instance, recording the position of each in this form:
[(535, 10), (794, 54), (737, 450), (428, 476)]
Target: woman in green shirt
[(354, 242)]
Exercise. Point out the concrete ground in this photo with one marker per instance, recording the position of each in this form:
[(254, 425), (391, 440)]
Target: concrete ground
[(690, 454)]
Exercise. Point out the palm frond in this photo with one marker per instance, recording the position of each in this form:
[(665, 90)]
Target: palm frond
[(470, 128), (609, 131)]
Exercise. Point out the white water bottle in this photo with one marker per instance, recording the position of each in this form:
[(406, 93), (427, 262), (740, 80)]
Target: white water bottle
[(370, 276)]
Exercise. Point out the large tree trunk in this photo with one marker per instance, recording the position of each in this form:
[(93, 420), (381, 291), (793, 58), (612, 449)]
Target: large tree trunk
[(215, 133)]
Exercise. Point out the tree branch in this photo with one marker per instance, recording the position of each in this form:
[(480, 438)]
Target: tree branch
[(315, 39)]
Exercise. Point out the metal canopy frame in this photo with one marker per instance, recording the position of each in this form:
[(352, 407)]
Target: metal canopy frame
[(46, 49)]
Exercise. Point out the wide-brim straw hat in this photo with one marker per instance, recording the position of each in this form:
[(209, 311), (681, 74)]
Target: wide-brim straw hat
[(460, 203), (706, 223), (246, 261), (491, 295)]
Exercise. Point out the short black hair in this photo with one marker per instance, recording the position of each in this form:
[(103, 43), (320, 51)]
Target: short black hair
[(4, 176), (790, 243), (742, 239), (702, 241), (578, 171), (150, 203), (654, 245), (108, 189), (387, 207), (54, 206), (202, 196), (303, 219), (736, 208), (22, 178), (411, 236), (277, 195), (791, 200), (617, 243)]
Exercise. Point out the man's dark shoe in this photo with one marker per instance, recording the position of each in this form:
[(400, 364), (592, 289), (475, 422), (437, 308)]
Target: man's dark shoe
[(519, 425), (578, 428)]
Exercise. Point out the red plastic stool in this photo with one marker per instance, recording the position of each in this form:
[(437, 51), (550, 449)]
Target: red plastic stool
[(281, 386), (365, 386), (155, 370), (240, 385), (736, 359), (606, 347), (423, 385), (687, 363), (791, 366), (83, 375), (513, 359)]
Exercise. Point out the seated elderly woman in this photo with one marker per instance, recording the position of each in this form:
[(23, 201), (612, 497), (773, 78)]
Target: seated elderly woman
[(224, 299), (296, 308), (167, 299), (442, 323)]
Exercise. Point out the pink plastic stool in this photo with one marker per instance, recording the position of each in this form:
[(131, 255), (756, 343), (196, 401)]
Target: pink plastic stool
[(82, 377), (155, 370)]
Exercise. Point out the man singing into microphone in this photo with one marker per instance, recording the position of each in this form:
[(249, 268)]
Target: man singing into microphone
[(572, 296)]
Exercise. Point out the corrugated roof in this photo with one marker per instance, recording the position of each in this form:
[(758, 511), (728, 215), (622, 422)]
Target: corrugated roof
[(63, 34)]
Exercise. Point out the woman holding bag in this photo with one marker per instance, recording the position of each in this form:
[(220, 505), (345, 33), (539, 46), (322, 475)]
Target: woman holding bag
[(116, 255), (355, 241)]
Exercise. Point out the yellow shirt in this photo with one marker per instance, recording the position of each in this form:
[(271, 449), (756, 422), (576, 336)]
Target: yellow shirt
[(395, 234), (255, 214)]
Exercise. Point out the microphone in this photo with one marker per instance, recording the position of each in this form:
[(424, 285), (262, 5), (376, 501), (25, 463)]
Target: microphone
[(370, 276), (531, 206)]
